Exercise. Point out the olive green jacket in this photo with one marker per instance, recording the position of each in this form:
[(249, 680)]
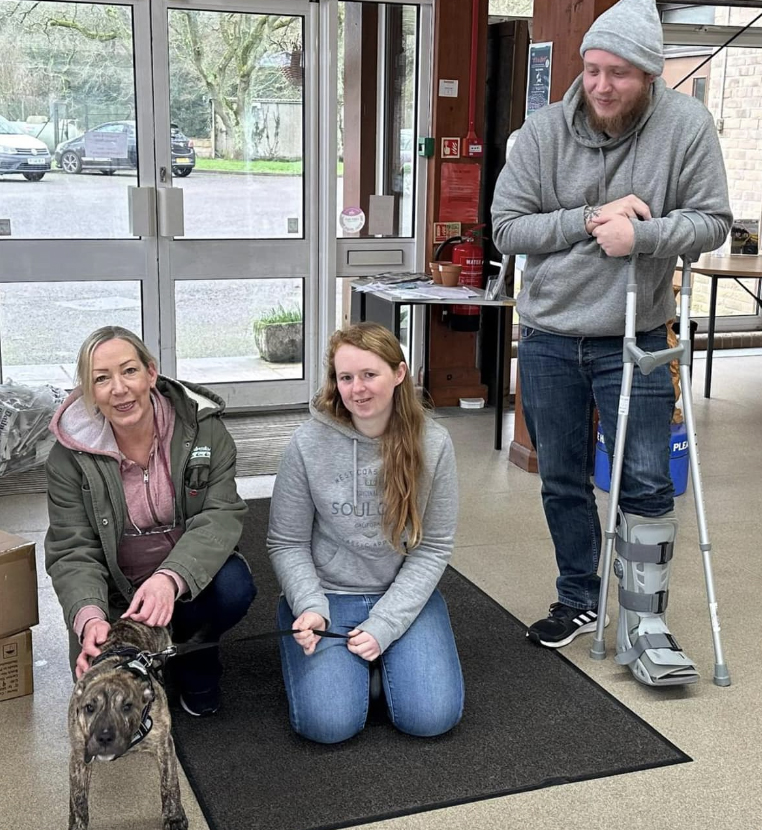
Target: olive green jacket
[(87, 508)]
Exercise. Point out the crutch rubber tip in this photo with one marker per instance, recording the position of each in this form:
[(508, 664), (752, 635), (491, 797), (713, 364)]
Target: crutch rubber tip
[(721, 676), (598, 650)]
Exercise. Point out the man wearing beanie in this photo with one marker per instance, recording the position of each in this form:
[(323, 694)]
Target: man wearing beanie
[(622, 167)]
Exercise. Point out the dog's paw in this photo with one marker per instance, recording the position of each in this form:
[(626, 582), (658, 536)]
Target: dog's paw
[(176, 823)]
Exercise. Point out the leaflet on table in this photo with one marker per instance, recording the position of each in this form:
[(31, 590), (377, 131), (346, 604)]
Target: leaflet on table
[(431, 292)]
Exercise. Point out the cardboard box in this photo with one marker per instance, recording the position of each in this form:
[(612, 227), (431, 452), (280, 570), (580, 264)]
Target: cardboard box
[(18, 585), (16, 676)]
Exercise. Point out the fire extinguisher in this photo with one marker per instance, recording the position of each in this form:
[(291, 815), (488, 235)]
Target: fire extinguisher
[(469, 254)]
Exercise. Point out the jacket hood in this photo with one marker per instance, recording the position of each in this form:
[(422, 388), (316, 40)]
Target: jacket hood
[(580, 129), (79, 429)]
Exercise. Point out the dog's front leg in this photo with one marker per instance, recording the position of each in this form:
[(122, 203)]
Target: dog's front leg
[(79, 791), (172, 812)]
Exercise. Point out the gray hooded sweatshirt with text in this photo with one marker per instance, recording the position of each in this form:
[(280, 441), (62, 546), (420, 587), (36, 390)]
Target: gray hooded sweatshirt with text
[(326, 536), (671, 159)]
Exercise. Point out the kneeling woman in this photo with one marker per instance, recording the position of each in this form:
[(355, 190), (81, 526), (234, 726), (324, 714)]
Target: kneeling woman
[(362, 524), (144, 512)]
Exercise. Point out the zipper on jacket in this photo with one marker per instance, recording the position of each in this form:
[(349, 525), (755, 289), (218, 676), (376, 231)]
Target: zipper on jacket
[(148, 497)]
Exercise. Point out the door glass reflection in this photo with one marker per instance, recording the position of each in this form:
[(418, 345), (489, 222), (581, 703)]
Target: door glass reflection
[(239, 330), (67, 119), (237, 100)]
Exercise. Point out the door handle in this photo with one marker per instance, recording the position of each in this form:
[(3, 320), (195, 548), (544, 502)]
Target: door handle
[(171, 212), (142, 210)]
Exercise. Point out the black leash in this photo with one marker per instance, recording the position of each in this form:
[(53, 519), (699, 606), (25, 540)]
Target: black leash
[(179, 649)]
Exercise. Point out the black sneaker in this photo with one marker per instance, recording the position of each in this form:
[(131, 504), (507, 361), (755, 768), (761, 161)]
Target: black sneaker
[(562, 625), (201, 704)]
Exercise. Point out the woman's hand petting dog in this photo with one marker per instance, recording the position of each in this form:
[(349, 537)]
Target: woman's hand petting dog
[(154, 601), (94, 635)]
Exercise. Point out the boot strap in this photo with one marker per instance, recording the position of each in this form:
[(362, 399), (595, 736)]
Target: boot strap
[(644, 642), (643, 603), (658, 554)]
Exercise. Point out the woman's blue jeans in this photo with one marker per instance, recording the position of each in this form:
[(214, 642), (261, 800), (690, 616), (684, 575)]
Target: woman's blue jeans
[(222, 604), (329, 691), (562, 380)]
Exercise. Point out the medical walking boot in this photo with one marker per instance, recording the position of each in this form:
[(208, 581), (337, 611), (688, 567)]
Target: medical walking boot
[(644, 549)]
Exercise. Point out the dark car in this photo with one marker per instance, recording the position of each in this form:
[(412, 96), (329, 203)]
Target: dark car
[(90, 151)]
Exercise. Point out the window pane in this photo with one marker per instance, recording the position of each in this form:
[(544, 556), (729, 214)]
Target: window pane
[(239, 330), (237, 107), (67, 77), (43, 324), (729, 84), (377, 119)]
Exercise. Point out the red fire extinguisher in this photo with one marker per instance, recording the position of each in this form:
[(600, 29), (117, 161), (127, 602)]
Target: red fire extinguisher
[(469, 254)]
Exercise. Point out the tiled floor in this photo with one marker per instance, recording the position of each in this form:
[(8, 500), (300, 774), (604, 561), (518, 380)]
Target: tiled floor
[(503, 546)]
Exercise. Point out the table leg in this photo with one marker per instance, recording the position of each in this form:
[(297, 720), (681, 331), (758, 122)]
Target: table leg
[(710, 337), (499, 375)]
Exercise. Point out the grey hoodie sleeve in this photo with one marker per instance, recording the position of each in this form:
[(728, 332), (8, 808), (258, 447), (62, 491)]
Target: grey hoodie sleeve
[(289, 538), (423, 566), (519, 225), (704, 218)]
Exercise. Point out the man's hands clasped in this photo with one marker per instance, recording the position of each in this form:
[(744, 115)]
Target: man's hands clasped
[(611, 224)]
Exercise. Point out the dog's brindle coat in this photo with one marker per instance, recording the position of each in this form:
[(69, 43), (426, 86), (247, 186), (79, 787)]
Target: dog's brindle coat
[(105, 712)]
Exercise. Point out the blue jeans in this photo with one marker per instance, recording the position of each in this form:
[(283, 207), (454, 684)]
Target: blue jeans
[(222, 604), (329, 691), (562, 380)]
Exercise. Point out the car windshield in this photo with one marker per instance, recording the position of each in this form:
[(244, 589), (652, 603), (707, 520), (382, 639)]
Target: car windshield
[(6, 128)]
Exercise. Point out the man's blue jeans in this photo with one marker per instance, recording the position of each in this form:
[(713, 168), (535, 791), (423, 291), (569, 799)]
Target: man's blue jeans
[(329, 691), (562, 380)]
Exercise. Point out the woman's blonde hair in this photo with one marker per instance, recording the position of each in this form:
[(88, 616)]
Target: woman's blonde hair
[(102, 335), (402, 441)]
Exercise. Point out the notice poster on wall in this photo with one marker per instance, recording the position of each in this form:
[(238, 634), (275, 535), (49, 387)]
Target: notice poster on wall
[(538, 76), (459, 195)]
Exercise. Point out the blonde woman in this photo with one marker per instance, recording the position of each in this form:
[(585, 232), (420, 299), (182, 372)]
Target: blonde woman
[(144, 512), (362, 524)]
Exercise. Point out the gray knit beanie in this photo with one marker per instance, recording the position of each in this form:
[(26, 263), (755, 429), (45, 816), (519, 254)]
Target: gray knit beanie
[(632, 30)]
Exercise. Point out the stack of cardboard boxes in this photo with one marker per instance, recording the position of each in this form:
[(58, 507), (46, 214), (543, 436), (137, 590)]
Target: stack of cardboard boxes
[(18, 613)]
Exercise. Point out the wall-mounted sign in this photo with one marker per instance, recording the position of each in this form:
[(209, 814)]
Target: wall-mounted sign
[(5, 227), (450, 148), (448, 89), (445, 230), (538, 76), (100, 144), (459, 193)]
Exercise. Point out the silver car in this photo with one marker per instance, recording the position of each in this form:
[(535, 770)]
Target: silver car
[(21, 153)]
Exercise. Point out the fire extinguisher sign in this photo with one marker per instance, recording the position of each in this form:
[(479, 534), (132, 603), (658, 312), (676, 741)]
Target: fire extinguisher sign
[(445, 230), (450, 148)]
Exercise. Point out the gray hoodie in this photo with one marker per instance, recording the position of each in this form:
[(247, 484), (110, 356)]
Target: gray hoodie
[(671, 159), (325, 532)]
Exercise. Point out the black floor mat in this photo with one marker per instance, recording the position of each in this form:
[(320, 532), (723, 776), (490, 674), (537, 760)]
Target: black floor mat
[(531, 720)]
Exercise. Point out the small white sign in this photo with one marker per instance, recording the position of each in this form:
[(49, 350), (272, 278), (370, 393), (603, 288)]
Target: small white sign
[(352, 219), (381, 216), (5, 227), (293, 224), (448, 89), (103, 145)]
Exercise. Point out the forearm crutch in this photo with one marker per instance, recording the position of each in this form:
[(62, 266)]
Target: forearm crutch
[(646, 363)]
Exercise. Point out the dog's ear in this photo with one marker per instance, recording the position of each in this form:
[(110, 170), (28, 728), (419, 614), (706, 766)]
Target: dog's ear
[(79, 688)]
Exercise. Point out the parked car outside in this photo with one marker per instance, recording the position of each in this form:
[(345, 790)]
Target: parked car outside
[(21, 153), (76, 155)]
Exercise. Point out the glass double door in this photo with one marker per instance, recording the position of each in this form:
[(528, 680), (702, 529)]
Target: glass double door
[(157, 171)]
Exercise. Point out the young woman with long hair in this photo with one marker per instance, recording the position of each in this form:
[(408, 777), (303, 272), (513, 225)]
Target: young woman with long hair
[(362, 525)]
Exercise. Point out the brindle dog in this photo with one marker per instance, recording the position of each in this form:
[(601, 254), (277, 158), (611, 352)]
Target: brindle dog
[(108, 709)]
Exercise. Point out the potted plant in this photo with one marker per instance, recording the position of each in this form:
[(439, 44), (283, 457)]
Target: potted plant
[(278, 334)]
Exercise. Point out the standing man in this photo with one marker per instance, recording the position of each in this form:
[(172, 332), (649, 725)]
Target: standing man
[(622, 167)]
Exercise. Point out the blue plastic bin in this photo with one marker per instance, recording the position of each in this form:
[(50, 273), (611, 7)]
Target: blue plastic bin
[(678, 460)]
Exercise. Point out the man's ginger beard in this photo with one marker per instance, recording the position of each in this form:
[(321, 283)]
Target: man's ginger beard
[(618, 124)]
